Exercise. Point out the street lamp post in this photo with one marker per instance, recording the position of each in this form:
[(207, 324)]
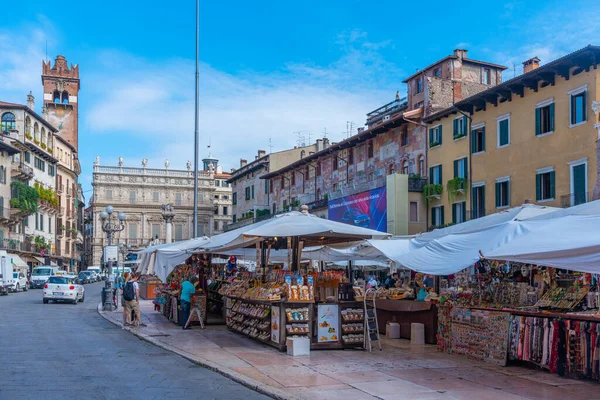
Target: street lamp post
[(111, 225), (124, 250)]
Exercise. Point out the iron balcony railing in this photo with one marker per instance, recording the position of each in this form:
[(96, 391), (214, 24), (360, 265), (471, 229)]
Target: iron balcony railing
[(574, 199)]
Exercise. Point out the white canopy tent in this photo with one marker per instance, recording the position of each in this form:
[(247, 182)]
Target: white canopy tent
[(568, 239), (162, 259)]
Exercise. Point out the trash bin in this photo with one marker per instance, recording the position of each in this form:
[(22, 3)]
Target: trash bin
[(107, 299), (392, 330)]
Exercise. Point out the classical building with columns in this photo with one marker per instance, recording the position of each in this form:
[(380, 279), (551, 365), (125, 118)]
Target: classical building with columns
[(141, 192)]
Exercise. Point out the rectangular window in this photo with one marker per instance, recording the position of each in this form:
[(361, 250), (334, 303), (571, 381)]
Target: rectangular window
[(478, 140), (350, 156), (478, 202), (132, 197), (270, 187), (248, 193), (266, 186), (37, 225), (486, 78), (459, 212), (49, 224), (293, 178), (414, 211), (418, 85), (437, 72), (460, 127), (578, 104), (437, 216), (50, 170), (179, 231), (234, 198), (41, 222), (252, 190), (435, 136), (544, 185), (503, 132), (544, 119), (155, 231), (318, 170), (503, 193), (234, 218), (370, 149), (178, 199), (217, 183), (335, 163), (461, 168), (404, 136), (225, 210), (155, 196), (28, 157), (132, 231), (216, 225), (435, 175)]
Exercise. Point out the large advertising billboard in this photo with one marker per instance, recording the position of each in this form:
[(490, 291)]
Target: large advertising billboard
[(366, 209)]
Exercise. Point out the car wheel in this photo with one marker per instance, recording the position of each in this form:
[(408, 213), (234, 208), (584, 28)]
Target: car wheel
[(82, 298), (17, 287), (45, 301), (25, 288)]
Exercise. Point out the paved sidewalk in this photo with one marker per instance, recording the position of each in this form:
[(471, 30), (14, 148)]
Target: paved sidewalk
[(401, 371)]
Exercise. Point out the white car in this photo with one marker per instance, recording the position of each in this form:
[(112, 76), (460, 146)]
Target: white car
[(18, 282), (63, 288), (95, 276)]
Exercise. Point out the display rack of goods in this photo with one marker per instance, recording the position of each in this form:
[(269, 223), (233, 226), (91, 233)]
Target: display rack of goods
[(561, 298), (299, 288), (297, 314), (297, 329), (359, 293), (271, 291), (250, 319), (352, 315), (353, 338), (352, 328), (251, 310)]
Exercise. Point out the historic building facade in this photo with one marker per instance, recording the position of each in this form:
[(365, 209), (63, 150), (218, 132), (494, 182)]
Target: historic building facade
[(140, 193), (531, 139)]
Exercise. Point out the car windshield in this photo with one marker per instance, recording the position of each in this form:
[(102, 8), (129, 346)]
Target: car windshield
[(88, 273), (61, 280), (41, 271), (16, 275)]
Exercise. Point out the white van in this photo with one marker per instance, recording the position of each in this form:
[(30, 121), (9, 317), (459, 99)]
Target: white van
[(40, 275), (120, 270), (97, 270)]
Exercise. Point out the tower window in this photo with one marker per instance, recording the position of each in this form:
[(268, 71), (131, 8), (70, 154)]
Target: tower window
[(65, 97), (56, 96)]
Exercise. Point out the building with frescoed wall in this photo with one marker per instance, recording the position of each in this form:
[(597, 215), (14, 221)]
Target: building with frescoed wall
[(531, 139)]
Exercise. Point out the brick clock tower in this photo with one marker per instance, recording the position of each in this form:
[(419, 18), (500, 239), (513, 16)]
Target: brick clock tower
[(61, 90)]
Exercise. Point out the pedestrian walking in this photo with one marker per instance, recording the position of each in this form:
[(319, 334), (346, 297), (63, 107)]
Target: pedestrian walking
[(188, 288), (126, 317), (131, 294)]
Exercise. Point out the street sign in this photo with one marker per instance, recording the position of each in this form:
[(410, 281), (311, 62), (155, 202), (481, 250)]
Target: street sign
[(111, 253)]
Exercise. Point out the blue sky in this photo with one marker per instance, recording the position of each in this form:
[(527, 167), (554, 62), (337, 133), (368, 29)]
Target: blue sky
[(268, 68)]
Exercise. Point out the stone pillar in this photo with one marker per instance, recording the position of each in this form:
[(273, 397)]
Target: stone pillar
[(168, 213)]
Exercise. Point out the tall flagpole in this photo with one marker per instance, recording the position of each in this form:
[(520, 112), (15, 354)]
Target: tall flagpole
[(196, 132)]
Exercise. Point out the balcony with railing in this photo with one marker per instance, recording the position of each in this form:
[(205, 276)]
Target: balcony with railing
[(393, 107), (21, 171), (574, 199)]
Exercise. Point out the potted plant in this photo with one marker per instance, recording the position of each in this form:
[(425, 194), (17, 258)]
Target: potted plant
[(434, 144), (431, 190), (454, 186)]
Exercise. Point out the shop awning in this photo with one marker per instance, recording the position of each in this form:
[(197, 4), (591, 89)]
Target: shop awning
[(17, 261), (40, 259)]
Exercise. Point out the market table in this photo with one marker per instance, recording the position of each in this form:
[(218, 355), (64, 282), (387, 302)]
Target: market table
[(406, 312)]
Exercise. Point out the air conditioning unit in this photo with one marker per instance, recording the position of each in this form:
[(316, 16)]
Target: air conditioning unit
[(386, 118)]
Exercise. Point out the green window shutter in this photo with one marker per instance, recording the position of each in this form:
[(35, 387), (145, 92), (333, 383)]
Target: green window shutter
[(454, 213), (456, 168), (475, 200), (431, 175), (463, 205), (252, 191), (503, 132), (508, 193), (473, 141), (573, 114), (538, 121), (430, 136), (442, 215), (497, 194), (455, 127), (552, 185), (551, 117), (538, 187), (466, 163), (440, 133), (440, 171), (482, 211), (465, 124), (433, 221), (483, 138), (583, 112)]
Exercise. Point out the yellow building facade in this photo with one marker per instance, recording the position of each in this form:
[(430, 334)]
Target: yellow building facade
[(532, 139)]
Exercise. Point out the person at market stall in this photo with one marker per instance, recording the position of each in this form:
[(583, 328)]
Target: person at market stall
[(188, 288), (391, 281), (372, 282)]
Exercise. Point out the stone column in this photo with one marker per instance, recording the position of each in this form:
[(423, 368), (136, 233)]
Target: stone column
[(168, 213)]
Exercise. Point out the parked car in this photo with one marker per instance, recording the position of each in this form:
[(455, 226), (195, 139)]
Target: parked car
[(355, 217), (95, 276), (63, 288), (90, 277), (18, 282), (83, 278), (98, 270)]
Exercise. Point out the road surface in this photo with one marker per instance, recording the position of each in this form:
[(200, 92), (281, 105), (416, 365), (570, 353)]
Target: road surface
[(66, 351)]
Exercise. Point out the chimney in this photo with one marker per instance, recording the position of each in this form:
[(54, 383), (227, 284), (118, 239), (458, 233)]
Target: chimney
[(31, 101), (319, 145), (460, 53), (531, 64), (325, 143), (261, 153), (243, 163)]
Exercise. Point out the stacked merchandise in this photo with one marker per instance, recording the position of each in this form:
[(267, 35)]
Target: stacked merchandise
[(249, 319), (353, 325), (444, 340), (215, 300), (297, 321)]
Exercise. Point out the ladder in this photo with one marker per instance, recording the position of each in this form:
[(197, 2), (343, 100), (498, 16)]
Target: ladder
[(371, 323)]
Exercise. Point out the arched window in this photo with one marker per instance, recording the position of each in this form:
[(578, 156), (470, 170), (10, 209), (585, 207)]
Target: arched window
[(302, 153), (43, 135), (8, 123), (391, 169), (405, 167), (28, 126), (56, 96), (65, 97), (36, 131), (50, 141), (421, 165)]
